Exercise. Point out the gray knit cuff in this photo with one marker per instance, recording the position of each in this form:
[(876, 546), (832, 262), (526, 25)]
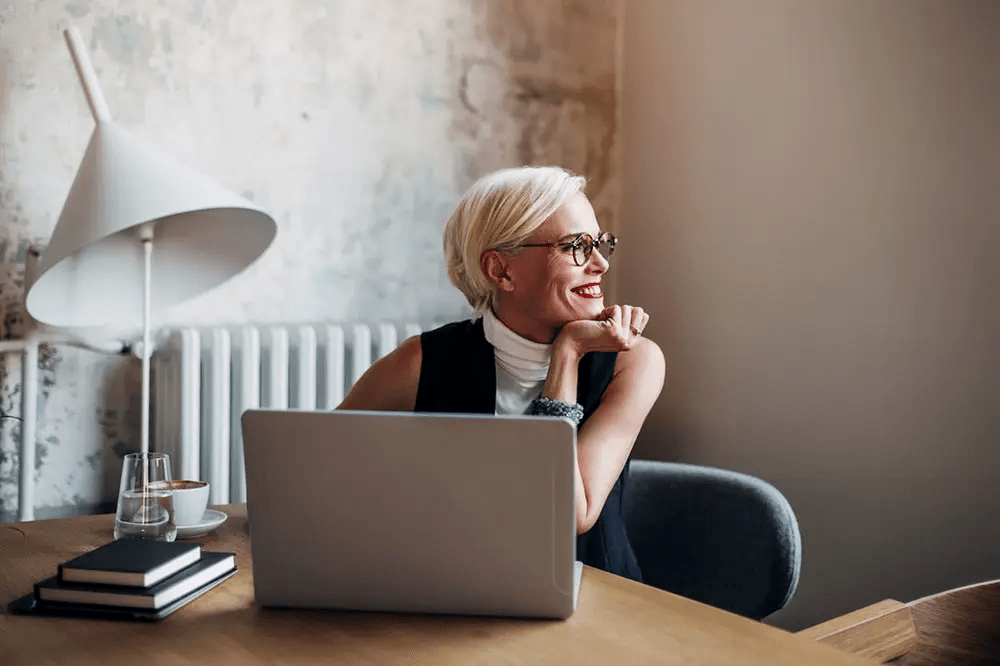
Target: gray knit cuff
[(548, 407)]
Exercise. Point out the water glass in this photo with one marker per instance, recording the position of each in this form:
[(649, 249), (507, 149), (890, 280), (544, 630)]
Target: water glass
[(145, 502)]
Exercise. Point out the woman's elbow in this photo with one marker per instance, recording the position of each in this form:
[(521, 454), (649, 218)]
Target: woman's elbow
[(584, 521)]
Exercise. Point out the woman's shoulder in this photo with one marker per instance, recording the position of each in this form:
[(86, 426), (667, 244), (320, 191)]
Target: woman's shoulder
[(639, 376), (390, 384), (407, 354), (645, 358)]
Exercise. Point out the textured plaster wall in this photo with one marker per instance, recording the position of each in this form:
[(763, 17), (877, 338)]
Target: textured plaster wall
[(357, 124)]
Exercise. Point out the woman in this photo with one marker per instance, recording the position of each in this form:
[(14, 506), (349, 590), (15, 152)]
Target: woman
[(525, 249)]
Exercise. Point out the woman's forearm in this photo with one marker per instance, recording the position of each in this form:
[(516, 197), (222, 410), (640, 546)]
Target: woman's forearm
[(561, 380), (561, 384)]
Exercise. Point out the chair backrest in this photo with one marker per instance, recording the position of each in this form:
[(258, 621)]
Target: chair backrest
[(726, 539)]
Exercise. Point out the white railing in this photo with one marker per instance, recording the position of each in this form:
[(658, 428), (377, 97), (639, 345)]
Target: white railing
[(28, 348)]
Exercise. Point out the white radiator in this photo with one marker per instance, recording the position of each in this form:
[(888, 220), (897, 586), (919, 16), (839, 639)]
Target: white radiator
[(204, 378)]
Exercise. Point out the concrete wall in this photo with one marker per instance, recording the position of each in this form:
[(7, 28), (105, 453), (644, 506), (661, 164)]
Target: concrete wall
[(356, 124), (813, 185)]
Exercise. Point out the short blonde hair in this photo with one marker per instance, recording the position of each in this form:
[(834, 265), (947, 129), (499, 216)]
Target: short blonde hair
[(499, 212)]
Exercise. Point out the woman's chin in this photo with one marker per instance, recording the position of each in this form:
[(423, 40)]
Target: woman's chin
[(591, 309)]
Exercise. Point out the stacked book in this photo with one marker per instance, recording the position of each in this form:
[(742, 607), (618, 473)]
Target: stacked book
[(131, 577)]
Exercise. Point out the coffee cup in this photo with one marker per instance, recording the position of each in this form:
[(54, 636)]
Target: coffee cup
[(190, 501)]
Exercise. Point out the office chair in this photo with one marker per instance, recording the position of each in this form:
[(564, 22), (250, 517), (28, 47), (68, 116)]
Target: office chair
[(723, 538)]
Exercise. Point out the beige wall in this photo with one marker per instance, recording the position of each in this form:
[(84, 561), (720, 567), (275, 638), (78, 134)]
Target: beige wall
[(810, 212)]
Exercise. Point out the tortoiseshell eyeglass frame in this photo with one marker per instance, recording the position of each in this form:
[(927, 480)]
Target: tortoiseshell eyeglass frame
[(582, 245)]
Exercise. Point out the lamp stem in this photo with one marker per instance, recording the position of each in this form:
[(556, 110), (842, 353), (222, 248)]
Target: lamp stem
[(91, 88), (146, 234)]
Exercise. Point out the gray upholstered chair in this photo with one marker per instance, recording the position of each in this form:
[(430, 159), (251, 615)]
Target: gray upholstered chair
[(723, 538)]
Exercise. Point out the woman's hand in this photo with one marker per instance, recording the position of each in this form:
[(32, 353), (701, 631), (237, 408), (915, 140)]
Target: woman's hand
[(615, 329)]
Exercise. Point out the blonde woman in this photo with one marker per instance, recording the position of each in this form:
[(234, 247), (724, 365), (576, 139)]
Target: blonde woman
[(526, 250)]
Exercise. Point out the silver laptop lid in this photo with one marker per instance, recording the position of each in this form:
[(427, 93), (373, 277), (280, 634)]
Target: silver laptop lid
[(390, 511)]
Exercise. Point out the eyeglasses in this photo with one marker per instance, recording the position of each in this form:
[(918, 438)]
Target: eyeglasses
[(582, 245)]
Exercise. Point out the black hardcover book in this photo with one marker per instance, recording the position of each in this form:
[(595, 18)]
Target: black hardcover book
[(29, 605), (133, 562), (209, 567)]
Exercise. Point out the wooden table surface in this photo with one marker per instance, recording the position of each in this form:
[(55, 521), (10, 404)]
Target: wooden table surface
[(616, 622)]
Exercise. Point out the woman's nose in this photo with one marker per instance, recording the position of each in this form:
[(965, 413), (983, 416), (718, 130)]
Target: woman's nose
[(597, 263)]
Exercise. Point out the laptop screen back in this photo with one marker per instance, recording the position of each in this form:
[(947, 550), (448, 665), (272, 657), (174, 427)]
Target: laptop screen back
[(435, 513)]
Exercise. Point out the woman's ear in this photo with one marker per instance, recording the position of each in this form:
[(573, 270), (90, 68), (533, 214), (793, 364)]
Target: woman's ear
[(494, 265)]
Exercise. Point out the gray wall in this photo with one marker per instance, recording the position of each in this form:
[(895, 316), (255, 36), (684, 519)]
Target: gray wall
[(356, 123), (812, 190)]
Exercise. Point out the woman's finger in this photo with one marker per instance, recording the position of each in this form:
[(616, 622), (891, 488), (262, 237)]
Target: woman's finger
[(637, 321), (616, 316), (626, 319)]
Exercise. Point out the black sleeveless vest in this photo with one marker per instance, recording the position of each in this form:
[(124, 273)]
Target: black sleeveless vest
[(458, 374)]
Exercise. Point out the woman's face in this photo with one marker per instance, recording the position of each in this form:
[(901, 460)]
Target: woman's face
[(549, 289)]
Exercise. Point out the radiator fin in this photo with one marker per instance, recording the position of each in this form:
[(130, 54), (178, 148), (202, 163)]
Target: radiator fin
[(205, 378)]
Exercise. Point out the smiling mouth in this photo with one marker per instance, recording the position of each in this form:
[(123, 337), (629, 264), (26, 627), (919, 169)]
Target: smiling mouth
[(589, 291)]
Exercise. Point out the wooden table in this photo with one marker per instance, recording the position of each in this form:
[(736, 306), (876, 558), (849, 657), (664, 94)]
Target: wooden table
[(616, 622)]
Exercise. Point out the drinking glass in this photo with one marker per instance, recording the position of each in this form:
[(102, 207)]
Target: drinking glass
[(145, 502)]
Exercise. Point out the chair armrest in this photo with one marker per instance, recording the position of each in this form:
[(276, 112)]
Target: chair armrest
[(958, 626), (882, 631)]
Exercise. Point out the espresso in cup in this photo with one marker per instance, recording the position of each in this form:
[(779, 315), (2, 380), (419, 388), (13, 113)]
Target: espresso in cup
[(190, 500)]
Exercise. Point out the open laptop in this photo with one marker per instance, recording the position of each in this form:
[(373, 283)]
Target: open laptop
[(428, 513)]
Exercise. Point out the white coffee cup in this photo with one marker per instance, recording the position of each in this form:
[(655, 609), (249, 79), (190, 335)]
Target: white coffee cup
[(190, 501)]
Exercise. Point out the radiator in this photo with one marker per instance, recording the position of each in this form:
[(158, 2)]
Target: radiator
[(204, 378)]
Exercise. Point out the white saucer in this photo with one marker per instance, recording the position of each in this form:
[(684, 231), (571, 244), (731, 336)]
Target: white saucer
[(209, 522)]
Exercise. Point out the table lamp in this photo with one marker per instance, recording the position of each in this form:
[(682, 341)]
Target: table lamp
[(127, 198)]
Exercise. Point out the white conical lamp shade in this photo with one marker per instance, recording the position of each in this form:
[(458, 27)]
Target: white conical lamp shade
[(91, 274)]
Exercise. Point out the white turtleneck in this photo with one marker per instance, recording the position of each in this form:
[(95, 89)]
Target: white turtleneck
[(521, 366)]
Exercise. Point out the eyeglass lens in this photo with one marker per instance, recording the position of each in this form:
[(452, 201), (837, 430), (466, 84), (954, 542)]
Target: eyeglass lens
[(605, 245)]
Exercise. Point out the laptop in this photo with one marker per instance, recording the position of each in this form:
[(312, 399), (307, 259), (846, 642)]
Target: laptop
[(402, 512)]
